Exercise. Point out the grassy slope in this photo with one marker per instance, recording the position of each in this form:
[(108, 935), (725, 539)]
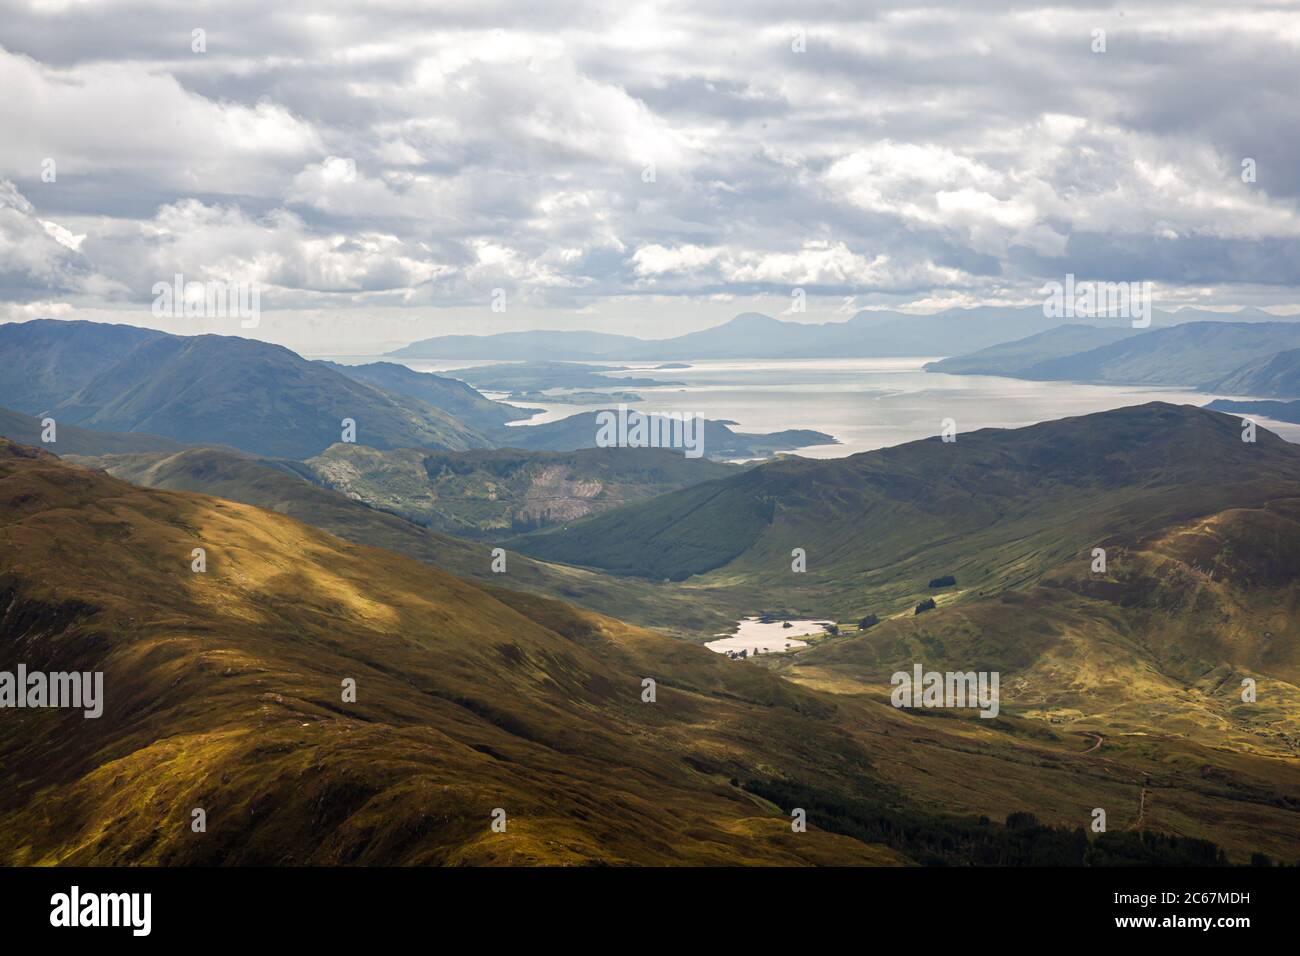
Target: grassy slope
[(223, 693), (1149, 657), (472, 700), (278, 486)]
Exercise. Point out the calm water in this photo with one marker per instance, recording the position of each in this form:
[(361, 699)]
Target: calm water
[(867, 403), (754, 635)]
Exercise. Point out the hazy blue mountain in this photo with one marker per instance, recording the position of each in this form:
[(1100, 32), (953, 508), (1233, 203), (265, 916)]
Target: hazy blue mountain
[(518, 345), (1277, 375), (71, 440), (1014, 358), (868, 334), (452, 395), (1278, 411), (1197, 354), (214, 389), (44, 361)]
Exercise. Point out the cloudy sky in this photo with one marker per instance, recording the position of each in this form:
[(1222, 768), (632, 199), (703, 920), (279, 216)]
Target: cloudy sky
[(379, 168)]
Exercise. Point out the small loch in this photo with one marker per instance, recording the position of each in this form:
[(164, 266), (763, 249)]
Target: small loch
[(753, 634)]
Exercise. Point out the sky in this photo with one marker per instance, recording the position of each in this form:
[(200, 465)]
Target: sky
[(387, 171)]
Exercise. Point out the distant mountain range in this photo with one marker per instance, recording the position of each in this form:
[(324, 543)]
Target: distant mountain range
[(1278, 411), (266, 400), (753, 335), (207, 389), (451, 395), (1260, 358)]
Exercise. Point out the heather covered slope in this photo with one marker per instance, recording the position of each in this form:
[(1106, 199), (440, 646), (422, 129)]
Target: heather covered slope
[(223, 692)]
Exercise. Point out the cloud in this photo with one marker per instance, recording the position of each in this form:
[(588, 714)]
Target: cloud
[(585, 153)]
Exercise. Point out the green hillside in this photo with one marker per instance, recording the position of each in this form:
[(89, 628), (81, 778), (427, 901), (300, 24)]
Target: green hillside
[(485, 493), (996, 509)]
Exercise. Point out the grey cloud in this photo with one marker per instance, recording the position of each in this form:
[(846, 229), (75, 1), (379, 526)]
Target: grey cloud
[(953, 149)]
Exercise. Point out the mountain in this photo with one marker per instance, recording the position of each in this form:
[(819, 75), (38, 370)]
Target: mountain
[(44, 361), (212, 389), (1196, 355), (996, 508), (1014, 359), (1277, 375), (450, 395), (1278, 411), (484, 493), (71, 440), (719, 441), (527, 346), (223, 691), (868, 334)]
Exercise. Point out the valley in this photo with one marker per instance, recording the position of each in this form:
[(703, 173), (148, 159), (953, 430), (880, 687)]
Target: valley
[(500, 609)]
